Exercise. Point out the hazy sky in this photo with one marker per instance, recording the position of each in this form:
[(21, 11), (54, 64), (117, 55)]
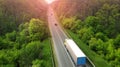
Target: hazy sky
[(49, 1)]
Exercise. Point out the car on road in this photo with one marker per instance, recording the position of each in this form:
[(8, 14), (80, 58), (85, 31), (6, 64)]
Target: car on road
[(51, 14), (55, 24)]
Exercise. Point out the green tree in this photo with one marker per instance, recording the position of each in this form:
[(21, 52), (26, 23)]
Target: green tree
[(110, 49), (11, 36), (85, 34), (78, 24), (72, 23), (93, 44), (15, 12), (92, 21), (117, 42), (68, 22), (37, 29), (37, 63), (24, 37), (97, 45), (6, 44), (30, 52), (9, 57), (117, 57), (102, 36), (108, 15)]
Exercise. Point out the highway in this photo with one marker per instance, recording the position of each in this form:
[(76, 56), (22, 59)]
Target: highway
[(58, 37)]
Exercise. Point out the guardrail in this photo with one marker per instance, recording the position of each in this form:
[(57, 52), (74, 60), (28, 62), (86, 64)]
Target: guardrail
[(91, 62), (52, 54), (71, 37)]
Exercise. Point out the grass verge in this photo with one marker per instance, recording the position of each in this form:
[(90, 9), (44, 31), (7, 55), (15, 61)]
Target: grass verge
[(53, 54), (96, 59)]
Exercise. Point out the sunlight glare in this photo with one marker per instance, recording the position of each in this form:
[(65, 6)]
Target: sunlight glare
[(49, 1)]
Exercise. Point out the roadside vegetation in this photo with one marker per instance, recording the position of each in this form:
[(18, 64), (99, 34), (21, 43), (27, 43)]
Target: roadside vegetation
[(24, 36), (94, 25), (96, 59)]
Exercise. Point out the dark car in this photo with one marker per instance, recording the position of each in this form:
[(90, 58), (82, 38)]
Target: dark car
[(55, 24), (51, 14)]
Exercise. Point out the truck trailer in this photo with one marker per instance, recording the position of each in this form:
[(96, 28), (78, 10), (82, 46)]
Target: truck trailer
[(75, 52)]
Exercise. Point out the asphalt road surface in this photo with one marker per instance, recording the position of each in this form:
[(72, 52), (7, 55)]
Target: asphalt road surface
[(58, 37)]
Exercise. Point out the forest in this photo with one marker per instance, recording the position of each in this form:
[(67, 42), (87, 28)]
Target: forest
[(96, 23), (24, 36)]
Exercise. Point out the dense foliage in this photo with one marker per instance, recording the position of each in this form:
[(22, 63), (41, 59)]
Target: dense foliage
[(24, 39), (15, 12), (96, 22), (25, 47)]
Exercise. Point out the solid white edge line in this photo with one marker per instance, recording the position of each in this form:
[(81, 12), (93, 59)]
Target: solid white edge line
[(65, 49)]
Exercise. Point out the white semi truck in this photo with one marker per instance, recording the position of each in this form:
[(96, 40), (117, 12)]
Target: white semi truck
[(76, 53)]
